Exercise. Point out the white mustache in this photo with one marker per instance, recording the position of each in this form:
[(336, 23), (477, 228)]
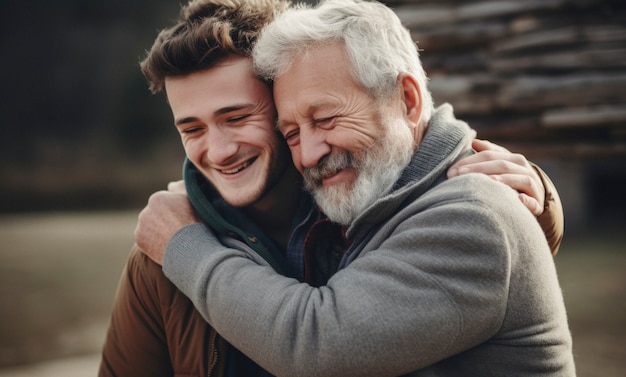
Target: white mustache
[(328, 166)]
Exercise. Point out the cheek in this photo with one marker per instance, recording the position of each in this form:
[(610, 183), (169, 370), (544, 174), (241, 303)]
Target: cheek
[(264, 137), (353, 138), (295, 156), (193, 151)]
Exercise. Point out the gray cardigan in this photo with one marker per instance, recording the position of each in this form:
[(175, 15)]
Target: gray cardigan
[(444, 278)]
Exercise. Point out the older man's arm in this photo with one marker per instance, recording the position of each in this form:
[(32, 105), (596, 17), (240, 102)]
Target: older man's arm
[(401, 307)]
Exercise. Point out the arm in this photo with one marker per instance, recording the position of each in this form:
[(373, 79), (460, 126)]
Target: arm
[(136, 344), (391, 311), (551, 220), (535, 189)]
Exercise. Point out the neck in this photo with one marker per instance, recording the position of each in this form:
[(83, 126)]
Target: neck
[(274, 213)]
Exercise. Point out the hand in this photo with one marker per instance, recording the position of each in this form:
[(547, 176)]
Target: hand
[(166, 213), (509, 168), (177, 187)]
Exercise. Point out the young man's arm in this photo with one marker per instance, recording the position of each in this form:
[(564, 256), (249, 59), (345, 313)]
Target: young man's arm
[(537, 191), (551, 220)]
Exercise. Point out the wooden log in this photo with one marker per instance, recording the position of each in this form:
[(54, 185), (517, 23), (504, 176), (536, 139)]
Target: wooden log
[(585, 117), (442, 63), (539, 39), (580, 149), (604, 33), (428, 16), (590, 59), (471, 94), (529, 92), (549, 37), (490, 9), (548, 75), (460, 37), (422, 16)]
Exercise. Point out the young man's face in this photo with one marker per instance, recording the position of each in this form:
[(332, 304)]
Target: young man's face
[(226, 119)]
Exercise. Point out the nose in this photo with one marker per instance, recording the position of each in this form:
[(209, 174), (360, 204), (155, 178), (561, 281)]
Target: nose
[(313, 146), (221, 146)]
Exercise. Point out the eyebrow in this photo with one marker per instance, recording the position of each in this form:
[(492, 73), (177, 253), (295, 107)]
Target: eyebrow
[(218, 112), (182, 121), (280, 124)]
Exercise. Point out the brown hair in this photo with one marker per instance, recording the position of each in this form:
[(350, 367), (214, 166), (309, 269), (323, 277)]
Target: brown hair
[(207, 31)]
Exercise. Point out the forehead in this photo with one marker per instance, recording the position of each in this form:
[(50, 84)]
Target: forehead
[(320, 78), (232, 80)]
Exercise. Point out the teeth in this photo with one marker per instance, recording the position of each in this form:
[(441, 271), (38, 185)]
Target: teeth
[(237, 169)]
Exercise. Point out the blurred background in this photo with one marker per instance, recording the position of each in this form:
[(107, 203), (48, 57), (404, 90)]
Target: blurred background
[(83, 143)]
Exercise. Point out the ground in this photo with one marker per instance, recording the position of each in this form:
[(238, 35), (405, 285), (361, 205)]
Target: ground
[(59, 272)]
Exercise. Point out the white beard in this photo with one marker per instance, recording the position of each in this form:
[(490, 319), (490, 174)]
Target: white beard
[(378, 168)]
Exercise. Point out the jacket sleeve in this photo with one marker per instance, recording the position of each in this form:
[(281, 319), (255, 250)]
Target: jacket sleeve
[(135, 343), (551, 220), (403, 306)]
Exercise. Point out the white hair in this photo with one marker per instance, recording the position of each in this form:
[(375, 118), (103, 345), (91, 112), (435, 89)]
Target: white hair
[(378, 45)]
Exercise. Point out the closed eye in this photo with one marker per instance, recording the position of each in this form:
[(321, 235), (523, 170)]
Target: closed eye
[(324, 123), (190, 130), (238, 118), (292, 136)]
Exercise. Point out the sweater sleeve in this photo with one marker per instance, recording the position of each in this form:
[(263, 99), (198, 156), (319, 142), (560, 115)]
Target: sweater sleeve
[(436, 285), (551, 220), (135, 343)]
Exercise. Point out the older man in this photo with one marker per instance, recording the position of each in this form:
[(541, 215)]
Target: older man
[(441, 277)]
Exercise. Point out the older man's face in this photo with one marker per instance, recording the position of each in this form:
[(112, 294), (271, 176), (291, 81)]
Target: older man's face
[(349, 148)]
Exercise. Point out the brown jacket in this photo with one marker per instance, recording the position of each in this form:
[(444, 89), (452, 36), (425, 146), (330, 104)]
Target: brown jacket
[(155, 330)]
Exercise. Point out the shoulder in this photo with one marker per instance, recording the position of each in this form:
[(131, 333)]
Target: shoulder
[(139, 266), (471, 206), (469, 192), (147, 278), (475, 194), (474, 186)]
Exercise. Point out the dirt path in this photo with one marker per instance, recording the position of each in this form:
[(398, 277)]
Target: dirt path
[(80, 366), (58, 275)]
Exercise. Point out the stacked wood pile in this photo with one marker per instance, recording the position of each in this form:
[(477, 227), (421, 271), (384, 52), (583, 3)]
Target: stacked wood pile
[(543, 77)]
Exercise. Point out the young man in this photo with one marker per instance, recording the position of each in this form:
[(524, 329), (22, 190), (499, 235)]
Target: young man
[(441, 277), (241, 182)]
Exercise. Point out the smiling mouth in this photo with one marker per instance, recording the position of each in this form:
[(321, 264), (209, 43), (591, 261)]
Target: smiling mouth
[(239, 168)]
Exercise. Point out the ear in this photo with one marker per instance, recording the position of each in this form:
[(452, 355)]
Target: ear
[(412, 97)]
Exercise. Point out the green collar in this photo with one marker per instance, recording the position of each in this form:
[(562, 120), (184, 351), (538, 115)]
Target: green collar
[(215, 212)]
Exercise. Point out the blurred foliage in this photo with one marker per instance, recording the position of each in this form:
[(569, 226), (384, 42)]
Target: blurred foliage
[(70, 72), (73, 99)]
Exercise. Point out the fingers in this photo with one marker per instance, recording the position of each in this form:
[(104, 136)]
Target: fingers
[(145, 230), (489, 162), (523, 184), (512, 169), (499, 160), (165, 213), (177, 187), (488, 151), (484, 145), (531, 204)]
